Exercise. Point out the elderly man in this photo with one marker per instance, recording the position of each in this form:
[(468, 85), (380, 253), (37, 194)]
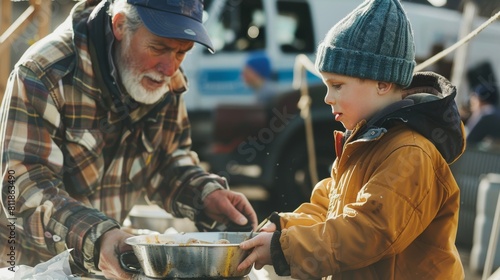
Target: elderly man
[(93, 116)]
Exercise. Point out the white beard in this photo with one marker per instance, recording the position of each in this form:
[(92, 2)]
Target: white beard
[(131, 79)]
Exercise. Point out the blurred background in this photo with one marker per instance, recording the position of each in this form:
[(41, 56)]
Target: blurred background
[(243, 101)]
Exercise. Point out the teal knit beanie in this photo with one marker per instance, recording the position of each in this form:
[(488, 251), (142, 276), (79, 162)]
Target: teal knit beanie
[(375, 41)]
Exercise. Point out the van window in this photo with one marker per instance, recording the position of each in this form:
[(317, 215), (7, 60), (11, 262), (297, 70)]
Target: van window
[(294, 29), (241, 27)]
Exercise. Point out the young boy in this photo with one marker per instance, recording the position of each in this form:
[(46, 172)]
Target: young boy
[(390, 208)]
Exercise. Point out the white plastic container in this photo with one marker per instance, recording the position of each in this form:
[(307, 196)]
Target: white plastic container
[(487, 197)]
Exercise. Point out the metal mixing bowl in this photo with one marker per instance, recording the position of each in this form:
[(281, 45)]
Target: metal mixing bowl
[(172, 256)]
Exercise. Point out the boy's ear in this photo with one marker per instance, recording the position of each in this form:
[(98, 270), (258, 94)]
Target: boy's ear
[(384, 87)]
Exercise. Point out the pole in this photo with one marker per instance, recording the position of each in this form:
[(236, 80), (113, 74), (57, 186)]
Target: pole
[(460, 59)]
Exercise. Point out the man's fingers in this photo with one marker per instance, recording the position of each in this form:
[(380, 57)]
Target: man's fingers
[(247, 210), (237, 216), (242, 220), (244, 211), (230, 206)]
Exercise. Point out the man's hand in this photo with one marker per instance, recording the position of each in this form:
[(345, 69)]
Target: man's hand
[(260, 251), (224, 206), (112, 244)]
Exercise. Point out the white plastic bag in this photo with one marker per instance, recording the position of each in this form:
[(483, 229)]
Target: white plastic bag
[(56, 268)]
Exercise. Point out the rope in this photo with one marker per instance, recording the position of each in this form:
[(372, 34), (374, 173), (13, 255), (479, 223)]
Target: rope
[(458, 44), (303, 63)]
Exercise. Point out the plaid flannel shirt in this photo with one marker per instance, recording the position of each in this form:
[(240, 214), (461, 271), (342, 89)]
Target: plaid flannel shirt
[(75, 159)]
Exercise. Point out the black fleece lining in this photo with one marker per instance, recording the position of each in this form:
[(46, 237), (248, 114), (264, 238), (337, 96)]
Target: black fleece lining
[(281, 267)]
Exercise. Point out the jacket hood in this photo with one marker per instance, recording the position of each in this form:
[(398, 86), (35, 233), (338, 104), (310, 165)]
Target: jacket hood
[(429, 108)]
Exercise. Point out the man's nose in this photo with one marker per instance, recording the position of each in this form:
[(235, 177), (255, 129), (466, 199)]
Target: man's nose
[(166, 69), (167, 66)]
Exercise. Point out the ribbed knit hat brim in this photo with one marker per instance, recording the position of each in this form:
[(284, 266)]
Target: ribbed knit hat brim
[(375, 41), (365, 65)]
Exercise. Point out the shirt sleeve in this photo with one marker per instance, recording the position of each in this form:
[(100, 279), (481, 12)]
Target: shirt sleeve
[(31, 150), (181, 184)]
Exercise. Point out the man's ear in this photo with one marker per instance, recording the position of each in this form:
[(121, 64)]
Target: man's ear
[(384, 87), (118, 23)]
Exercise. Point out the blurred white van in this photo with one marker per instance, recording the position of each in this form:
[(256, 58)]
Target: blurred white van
[(285, 28), (235, 137)]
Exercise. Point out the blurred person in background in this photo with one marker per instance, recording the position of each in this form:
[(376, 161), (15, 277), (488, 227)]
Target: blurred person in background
[(93, 117), (483, 125), (258, 75)]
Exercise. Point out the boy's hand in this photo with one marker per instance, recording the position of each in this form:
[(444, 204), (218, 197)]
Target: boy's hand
[(261, 253), (269, 227)]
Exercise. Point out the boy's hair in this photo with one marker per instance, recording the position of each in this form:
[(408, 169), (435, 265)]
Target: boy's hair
[(375, 41)]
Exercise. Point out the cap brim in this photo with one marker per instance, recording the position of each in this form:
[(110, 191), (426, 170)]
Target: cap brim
[(171, 25)]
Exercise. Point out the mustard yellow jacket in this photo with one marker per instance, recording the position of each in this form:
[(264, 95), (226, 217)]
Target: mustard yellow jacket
[(390, 208)]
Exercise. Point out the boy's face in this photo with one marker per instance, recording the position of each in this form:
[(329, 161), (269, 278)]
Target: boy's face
[(353, 99)]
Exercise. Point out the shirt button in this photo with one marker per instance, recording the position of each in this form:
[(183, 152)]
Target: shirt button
[(56, 238), (48, 234)]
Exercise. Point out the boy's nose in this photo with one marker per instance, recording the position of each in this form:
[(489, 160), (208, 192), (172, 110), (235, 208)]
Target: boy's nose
[(329, 99)]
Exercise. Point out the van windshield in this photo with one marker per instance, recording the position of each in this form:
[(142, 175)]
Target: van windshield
[(242, 26)]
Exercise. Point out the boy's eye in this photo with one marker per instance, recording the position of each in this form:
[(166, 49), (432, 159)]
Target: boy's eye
[(337, 87)]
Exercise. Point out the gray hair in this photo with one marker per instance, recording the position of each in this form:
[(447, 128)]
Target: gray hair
[(134, 21)]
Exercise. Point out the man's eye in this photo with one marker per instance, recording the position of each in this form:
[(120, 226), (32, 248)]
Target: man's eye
[(181, 55), (337, 87), (157, 49)]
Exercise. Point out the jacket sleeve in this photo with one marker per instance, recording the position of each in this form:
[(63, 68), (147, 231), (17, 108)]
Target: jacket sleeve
[(312, 212), (185, 184), (42, 207), (307, 214), (398, 201)]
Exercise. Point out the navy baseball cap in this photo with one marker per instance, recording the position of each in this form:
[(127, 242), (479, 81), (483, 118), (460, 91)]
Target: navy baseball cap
[(177, 19)]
